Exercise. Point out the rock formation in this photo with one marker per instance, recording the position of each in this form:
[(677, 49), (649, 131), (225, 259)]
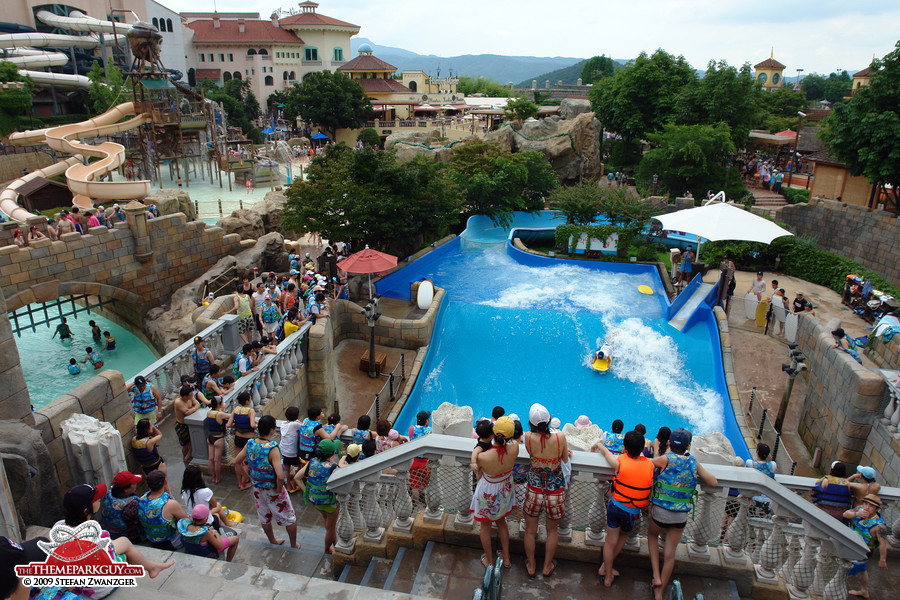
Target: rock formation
[(410, 144), (571, 145), (449, 419), (167, 328), (266, 216), (170, 201), (29, 470), (582, 439), (713, 448)]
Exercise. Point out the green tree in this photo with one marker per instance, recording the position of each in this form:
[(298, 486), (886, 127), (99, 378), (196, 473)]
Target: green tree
[(13, 102), (724, 95), (863, 131), (642, 97), (520, 109), (832, 88), (579, 203), (470, 86), (596, 68), (238, 100), (369, 137), (106, 88), (367, 197), (691, 157), (329, 100), (496, 182)]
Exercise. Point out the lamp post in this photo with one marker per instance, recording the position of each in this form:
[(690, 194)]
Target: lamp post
[(798, 75), (800, 116), (370, 310), (797, 364)]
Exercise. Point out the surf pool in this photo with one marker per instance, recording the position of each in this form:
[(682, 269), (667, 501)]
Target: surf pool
[(515, 328)]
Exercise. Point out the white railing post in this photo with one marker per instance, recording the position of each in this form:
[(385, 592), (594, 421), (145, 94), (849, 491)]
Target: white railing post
[(633, 543), (772, 552), (565, 524), (371, 511), (433, 492), (836, 586), (804, 571), (706, 526), (356, 516), (346, 541), (463, 517), (404, 506), (595, 534), (737, 531)]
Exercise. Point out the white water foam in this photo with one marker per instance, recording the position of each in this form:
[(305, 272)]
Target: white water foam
[(647, 358)]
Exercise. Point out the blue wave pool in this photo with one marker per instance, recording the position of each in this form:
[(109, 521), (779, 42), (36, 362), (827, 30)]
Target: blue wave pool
[(516, 328)]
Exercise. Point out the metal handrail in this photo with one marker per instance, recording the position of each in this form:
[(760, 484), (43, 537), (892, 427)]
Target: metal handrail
[(389, 385), (766, 432)]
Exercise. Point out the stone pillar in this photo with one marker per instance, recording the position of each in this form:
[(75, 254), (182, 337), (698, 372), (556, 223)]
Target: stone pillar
[(136, 217), (195, 424), (15, 402), (9, 517), (231, 339)]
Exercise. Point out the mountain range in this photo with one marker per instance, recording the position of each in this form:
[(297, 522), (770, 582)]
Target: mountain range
[(500, 68)]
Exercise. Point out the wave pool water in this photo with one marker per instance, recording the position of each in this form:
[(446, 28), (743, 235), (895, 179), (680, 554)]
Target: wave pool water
[(44, 360), (516, 329)]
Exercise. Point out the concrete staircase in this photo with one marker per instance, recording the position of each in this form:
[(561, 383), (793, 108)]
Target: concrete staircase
[(767, 201)]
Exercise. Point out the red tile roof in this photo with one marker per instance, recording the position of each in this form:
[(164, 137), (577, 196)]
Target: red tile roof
[(823, 157), (382, 86), (311, 19), (367, 62), (769, 63), (867, 72), (228, 32)]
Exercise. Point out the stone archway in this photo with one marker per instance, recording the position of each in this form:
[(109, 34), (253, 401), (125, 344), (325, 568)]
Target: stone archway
[(127, 306)]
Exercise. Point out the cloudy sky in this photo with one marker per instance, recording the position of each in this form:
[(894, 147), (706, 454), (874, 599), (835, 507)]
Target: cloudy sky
[(819, 36)]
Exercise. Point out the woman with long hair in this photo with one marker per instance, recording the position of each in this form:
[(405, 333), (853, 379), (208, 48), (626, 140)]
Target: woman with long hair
[(243, 419), (145, 446), (215, 437), (194, 491)]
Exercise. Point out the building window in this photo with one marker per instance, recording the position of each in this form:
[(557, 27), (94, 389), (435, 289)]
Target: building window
[(169, 24), (231, 58), (292, 76), (251, 52), (284, 76), (776, 78), (413, 86), (270, 80), (338, 54), (209, 57), (312, 54), (262, 51), (226, 76), (221, 57), (156, 23), (761, 78), (237, 75), (202, 58)]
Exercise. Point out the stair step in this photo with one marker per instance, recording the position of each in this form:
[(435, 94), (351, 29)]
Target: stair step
[(405, 570)]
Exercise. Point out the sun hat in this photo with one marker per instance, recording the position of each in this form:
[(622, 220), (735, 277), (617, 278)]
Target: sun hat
[(514, 417), (200, 512), (582, 422), (354, 450), (140, 380), (867, 472), (538, 414), (328, 446), (799, 293), (125, 478), (680, 439), (393, 434), (505, 427), (555, 423), (294, 272), (872, 499)]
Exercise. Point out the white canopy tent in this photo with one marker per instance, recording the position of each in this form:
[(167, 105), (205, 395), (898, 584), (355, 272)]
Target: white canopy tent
[(720, 221)]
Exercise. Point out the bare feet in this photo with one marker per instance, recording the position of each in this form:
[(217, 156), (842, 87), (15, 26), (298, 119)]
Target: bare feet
[(658, 592), (858, 593), (277, 541), (156, 568), (297, 545), (602, 571), (530, 569)]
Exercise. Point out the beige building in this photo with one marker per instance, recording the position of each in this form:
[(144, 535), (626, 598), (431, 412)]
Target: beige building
[(832, 181), (273, 55), (434, 90), (860, 79), (390, 98), (770, 74)]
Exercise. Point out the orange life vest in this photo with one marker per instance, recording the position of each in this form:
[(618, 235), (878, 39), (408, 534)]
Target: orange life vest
[(633, 481)]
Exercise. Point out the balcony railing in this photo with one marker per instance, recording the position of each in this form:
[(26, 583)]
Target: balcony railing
[(786, 538)]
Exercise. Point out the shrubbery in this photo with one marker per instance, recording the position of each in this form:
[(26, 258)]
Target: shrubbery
[(795, 196)]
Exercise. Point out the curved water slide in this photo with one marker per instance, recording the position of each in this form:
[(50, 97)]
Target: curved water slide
[(82, 178), (78, 21), (8, 196)]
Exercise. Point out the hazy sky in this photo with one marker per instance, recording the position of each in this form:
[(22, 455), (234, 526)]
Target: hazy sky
[(819, 36)]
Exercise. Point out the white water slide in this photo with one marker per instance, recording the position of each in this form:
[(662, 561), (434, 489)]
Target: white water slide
[(82, 178)]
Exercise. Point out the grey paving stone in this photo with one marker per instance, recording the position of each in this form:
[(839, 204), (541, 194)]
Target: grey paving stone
[(192, 585), (331, 590), (188, 563), (235, 572), (244, 591), (281, 581)]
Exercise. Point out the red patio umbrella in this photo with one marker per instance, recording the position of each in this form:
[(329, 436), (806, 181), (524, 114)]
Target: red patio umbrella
[(368, 261)]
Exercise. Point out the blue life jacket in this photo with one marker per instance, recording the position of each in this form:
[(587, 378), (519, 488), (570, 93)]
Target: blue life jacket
[(241, 416), (143, 402), (864, 528), (318, 473), (75, 370), (262, 473), (111, 509), (201, 363), (307, 435), (764, 466), (837, 493), (676, 485), (213, 425), (150, 513), (615, 442), (358, 436), (144, 456), (269, 314)]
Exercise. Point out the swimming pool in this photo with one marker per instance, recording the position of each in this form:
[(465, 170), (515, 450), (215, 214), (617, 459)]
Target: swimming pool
[(516, 328), (44, 360)]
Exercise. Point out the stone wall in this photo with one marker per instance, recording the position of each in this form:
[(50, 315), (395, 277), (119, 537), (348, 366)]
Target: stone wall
[(843, 401), (12, 164), (181, 252), (881, 452), (885, 354), (870, 238), (103, 397)]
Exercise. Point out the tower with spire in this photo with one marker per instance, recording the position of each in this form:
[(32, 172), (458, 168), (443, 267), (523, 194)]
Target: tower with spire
[(770, 73)]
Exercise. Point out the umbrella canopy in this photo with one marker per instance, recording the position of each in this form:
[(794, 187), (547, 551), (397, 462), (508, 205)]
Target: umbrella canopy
[(720, 221), (368, 261), (787, 133), (268, 130), (320, 136)]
